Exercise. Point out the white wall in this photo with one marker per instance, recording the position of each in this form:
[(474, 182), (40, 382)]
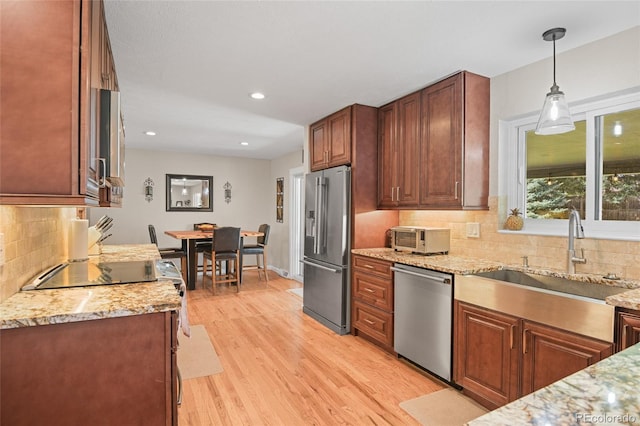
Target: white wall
[(252, 195), (279, 237)]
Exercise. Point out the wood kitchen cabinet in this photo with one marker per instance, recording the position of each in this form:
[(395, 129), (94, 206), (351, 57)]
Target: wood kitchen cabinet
[(399, 152), (372, 300), (486, 354), (454, 150), (108, 371), (550, 354), (330, 140), (500, 358), (434, 146), (50, 145), (627, 328)]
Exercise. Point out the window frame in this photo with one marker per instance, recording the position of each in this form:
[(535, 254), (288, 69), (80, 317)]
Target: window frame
[(512, 170)]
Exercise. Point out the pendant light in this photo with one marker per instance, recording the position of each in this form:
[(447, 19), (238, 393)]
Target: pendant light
[(555, 117)]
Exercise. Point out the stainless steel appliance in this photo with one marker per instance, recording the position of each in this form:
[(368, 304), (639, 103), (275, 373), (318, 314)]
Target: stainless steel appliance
[(423, 319), (83, 274), (326, 247), (420, 239)]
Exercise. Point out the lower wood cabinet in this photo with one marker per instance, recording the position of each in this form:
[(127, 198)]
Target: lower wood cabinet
[(627, 328), (486, 355), (549, 354), (115, 371), (372, 300), (500, 358)]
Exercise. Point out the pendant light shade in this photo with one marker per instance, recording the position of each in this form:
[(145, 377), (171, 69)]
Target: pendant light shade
[(555, 117)]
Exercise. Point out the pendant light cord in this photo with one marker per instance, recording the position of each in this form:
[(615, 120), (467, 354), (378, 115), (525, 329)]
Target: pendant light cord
[(554, 60)]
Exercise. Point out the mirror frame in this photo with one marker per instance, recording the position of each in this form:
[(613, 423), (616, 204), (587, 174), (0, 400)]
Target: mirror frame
[(169, 205)]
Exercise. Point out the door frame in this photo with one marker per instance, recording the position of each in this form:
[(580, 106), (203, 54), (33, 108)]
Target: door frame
[(296, 223)]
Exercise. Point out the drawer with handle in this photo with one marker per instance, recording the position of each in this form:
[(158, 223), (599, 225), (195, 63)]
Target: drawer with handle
[(370, 265), (373, 322), (373, 290)]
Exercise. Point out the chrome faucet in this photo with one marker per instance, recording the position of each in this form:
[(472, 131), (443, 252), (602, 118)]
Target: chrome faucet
[(575, 231)]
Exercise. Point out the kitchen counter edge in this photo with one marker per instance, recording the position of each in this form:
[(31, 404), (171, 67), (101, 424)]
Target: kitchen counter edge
[(467, 265), (45, 307)]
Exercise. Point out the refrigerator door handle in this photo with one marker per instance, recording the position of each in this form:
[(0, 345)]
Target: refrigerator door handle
[(306, 262), (321, 216), (316, 237)]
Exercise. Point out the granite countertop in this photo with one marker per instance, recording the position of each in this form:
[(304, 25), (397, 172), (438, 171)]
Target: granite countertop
[(468, 265), (42, 307), (603, 393)]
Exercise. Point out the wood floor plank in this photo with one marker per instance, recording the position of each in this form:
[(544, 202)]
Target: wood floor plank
[(281, 367)]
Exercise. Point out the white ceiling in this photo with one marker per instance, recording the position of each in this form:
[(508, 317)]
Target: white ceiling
[(186, 68)]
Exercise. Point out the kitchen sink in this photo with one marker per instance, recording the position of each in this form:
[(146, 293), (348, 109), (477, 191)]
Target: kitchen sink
[(573, 306), (556, 284)]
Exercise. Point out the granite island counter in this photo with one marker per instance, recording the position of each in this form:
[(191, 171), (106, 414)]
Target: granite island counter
[(105, 354), (42, 307), (603, 393)]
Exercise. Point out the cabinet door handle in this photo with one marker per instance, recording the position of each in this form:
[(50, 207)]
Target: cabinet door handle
[(455, 195), (179, 398), (368, 290), (524, 341), (368, 266), (511, 337), (392, 189), (623, 338), (102, 181), (368, 321), (397, 193)]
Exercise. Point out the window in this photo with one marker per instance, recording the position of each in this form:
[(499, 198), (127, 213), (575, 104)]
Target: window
[(594, 169)]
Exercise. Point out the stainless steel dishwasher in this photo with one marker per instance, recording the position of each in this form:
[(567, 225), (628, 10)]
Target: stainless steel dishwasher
[(423, 318)]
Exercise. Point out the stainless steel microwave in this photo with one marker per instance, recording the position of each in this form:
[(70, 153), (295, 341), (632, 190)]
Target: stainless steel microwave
[(420, 239)]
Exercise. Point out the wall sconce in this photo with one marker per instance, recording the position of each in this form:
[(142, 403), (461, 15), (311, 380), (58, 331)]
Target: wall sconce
[(148, 190), (555, 117), (227, 192)]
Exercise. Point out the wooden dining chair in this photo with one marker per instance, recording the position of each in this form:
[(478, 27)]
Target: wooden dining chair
[(170, 252), (259, 250), (202, 246), (225, 248)]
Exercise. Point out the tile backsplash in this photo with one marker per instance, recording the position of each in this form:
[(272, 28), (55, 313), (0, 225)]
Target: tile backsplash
[(603, 256), (34, 238)]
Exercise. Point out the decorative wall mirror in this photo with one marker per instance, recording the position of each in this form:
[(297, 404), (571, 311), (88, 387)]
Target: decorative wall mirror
[(189, 193)]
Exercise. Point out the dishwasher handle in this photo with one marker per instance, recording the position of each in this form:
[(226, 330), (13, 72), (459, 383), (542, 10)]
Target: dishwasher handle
[(441, 280)]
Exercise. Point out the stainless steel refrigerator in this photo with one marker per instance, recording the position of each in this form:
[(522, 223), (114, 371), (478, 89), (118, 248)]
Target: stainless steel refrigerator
[(327, 247)]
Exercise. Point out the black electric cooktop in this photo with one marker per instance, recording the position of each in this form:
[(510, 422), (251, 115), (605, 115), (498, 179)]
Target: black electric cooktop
[(81, 274)]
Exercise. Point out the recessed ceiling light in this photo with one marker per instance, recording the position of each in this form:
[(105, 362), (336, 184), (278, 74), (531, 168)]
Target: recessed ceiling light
[(150, 133), (244, 143), (257, 95)]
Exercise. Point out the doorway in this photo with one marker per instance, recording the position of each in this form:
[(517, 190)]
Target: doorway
[(296, 213)]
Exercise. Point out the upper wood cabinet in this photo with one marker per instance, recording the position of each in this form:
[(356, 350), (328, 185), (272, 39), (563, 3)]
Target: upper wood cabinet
[(434, 146), (330, 140), (349, 137), (49, 114), (399, 149), (454, 152)]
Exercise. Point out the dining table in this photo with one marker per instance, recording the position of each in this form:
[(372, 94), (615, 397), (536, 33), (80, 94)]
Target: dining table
[(189, 238)]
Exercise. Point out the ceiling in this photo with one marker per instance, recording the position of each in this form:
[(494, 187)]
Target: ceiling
[(186, 68)]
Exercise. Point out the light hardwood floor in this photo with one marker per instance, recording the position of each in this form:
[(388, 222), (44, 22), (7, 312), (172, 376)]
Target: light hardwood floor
[(281, 367)]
